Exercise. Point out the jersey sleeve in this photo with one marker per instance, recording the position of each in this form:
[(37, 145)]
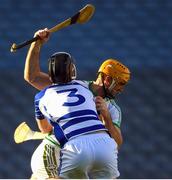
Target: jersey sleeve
[(83, 83), (38, 113), (115, 112)]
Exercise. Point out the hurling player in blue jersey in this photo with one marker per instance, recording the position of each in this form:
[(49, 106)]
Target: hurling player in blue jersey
[(112, 78)]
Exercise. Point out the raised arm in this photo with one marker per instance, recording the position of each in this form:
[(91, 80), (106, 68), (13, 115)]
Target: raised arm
[(32, 71)]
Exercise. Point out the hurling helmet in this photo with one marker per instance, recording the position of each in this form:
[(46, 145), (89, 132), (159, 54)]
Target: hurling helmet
[(61, 67)]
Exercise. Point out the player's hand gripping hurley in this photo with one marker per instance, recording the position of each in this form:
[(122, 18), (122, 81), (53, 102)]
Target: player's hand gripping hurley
[(80, 17)]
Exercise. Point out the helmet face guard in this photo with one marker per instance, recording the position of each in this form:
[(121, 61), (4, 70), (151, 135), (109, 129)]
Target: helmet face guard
[(116, 87), (61, 67)]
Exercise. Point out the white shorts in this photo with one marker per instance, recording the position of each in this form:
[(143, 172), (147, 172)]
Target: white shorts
[(91, 156), (45, 161)]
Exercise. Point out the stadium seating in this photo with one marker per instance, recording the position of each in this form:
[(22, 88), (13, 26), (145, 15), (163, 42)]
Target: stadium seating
[(138, 33)]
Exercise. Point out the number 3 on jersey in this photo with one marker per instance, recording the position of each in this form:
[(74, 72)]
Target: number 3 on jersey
[(80, 98)]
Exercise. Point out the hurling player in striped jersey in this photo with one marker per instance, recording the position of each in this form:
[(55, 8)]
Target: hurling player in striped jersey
[(112, 77)]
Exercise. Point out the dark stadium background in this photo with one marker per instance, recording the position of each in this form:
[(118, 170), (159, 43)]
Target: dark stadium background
[(137, 32)]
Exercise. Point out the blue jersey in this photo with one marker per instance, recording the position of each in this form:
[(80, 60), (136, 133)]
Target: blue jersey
[(70, 108)]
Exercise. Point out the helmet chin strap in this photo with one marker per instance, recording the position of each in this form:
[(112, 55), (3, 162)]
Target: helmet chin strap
[(110, 88), (106, 94), (112, 85)]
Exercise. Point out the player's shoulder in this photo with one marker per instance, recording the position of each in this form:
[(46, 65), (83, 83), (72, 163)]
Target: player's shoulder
[(112, 102), (41, 93), (82, 83)]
